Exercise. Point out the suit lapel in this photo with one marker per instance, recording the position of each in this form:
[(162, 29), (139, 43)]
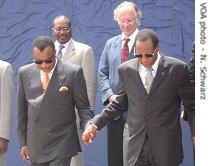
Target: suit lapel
[(57, 80), (35, 81), (134, 74), (161, 74), (117, 50), (70, 51)]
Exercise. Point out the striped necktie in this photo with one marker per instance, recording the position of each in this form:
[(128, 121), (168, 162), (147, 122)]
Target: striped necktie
[(59, 54)]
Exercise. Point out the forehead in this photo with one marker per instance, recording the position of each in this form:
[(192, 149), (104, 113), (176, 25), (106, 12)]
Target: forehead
[(127, 12), (61, 21), (144, 45), (46, 53)]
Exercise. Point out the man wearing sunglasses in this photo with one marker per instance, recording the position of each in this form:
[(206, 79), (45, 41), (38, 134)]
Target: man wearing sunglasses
[(71, 51), (49, 90), (153, 86)]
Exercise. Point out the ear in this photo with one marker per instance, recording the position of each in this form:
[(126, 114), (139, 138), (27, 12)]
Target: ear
[(158, 48), (53, 31)]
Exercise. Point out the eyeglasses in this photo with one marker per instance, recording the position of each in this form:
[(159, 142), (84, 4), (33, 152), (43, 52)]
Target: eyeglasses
[(129, 21), (61, 28), (47, 61), (146, 55)]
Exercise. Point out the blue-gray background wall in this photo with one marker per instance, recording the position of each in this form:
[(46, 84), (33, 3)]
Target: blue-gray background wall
[(21, 21)]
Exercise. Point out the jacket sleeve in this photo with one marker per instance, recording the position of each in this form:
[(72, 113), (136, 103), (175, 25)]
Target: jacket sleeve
[(6, 103), (89, 69), (22, 116), (186, 92), (103, 76), (85, 111), (112, 111)]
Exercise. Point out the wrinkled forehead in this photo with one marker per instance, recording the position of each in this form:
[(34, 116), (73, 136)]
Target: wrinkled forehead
[(127, 13)]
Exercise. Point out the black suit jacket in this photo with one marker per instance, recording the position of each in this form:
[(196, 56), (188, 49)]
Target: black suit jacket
[(156, 113)]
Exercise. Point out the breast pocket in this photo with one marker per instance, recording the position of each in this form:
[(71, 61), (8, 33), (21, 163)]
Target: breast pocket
[(63, 97)]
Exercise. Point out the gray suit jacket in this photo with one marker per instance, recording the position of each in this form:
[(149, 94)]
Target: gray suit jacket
[(47, 122), (82, 55), (156, 113), (6, 99)]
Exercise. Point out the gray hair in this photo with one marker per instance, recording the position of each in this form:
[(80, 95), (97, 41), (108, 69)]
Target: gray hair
[(148, 34), (63, 17), (42, 42), (126, 4)]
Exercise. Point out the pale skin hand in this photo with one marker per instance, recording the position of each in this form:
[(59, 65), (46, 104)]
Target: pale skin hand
[(3, 145), (89, 134), (111, 98), (24, 153)]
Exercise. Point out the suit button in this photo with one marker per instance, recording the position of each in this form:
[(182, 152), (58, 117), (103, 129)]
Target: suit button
[(147, 117), (50, 122), (50, 134)]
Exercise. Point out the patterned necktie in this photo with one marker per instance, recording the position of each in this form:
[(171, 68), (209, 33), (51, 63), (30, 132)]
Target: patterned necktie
[(125, 50), (59, 54), (148, 80), (45, 80)]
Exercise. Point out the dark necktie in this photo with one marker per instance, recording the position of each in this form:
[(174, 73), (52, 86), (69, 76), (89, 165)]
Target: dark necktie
[(59, 54), (148, 80), (125, 50)]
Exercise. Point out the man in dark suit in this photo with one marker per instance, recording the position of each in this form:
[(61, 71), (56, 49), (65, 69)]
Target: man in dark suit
[(127, 15), (153, 86), (191, 67), (49, 91)]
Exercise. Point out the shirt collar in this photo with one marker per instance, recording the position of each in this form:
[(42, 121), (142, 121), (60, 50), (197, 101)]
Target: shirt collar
[(57, 44), (131, 37)]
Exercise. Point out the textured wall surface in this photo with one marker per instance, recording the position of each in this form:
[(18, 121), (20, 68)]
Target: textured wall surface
[(21, 21)]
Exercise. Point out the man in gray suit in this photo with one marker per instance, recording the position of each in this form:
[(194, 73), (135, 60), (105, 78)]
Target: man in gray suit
[(70, 51), (6, 102), (153, 86), (127, 15), (49, 91)]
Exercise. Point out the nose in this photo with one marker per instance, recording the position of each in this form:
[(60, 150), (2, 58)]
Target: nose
[(43, 65)]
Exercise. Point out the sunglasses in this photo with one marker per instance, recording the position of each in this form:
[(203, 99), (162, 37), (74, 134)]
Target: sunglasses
[(146, 55), (47, 61)]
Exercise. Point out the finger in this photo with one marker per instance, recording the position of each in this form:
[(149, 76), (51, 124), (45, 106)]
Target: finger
[(92, 136), (23, 156), (27, 155), (85, 138)]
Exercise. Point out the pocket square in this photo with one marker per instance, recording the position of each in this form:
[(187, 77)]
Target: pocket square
[(63, 88)]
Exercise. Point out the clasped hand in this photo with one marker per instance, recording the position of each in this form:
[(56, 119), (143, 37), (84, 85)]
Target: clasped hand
[(89, 134)]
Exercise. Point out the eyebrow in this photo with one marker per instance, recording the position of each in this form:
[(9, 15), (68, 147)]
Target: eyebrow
[(43, 59)]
